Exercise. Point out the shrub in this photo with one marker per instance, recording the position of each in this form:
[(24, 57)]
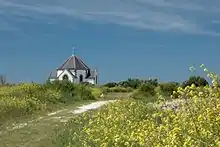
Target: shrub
[(96, 92), (196, 80), (136, 83), (153, 82), (168, 88), (110, 84), (82, 92), (132, 83), (143, 96), (147, 88), (72, 91), (145, 92)]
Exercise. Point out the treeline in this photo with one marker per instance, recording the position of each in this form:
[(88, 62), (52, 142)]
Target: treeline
[(151, 86)]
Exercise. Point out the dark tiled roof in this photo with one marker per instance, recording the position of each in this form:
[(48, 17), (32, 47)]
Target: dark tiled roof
[(74, 62)]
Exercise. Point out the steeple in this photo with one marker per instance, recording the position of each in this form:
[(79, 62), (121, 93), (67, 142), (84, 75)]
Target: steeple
[(73, 51)]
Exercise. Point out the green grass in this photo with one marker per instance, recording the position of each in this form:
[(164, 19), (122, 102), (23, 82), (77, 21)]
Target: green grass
[(41, 133), (116, 95), (38, 133), (30, 99)]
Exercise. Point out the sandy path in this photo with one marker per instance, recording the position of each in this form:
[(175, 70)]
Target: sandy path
[(33, 132)]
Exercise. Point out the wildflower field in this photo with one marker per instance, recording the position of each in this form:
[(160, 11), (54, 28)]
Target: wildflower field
[(28, 99), (134, 122)]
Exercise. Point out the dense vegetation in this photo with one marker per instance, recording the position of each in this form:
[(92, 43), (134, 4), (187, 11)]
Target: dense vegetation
[(198, 81), (26, 99), (195, 122), (147, 89)]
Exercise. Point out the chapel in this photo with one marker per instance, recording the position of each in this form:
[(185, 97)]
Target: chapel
[(75, 70)]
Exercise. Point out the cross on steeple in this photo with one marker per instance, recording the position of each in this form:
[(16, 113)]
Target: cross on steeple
[(73, 51)]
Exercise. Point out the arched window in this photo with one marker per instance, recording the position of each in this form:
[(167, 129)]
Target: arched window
[(65, 77), (81, 78)]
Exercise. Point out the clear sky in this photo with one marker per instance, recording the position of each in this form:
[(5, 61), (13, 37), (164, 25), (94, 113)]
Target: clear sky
[(122, 38)]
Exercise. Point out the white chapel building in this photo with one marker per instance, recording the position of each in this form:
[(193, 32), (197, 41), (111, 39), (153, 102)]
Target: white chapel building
[(76, 71)]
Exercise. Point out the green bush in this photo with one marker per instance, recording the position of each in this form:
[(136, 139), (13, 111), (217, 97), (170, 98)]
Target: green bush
[(72, 91), (143, 96), (82, 92), (168, 88), (97, 92), (136, 83), (153, 82), (110, 84), (132, 83), (196, 80), (145, 92), (148, 88)]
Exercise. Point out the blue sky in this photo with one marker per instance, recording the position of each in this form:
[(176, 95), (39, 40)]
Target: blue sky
[(122, 38)]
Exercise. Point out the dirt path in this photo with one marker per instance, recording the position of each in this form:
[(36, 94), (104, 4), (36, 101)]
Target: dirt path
[(35, 133)]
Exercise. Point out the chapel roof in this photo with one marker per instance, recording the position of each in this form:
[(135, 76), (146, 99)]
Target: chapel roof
[(74, 62)]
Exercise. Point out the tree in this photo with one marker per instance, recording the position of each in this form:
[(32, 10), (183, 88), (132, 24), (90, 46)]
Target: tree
[(2, 80), (197, 80)]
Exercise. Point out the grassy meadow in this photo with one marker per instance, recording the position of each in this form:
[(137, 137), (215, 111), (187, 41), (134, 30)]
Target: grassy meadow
[(140, 116), (29, 99)]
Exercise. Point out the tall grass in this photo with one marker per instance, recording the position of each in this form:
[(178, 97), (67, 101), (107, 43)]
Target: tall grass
[(30, 98)]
